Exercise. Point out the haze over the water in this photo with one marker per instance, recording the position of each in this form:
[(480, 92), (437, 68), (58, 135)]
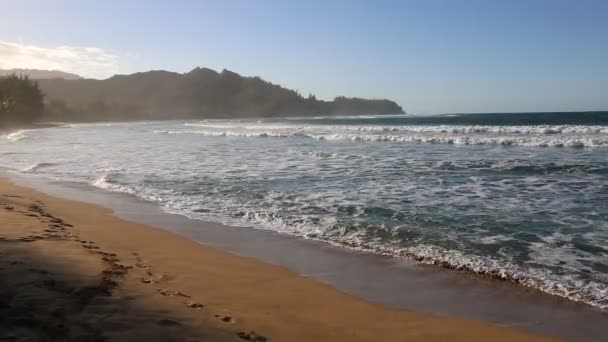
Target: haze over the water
[(429, 56)]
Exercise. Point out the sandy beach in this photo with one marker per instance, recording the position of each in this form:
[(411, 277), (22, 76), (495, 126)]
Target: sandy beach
[(72, 271)]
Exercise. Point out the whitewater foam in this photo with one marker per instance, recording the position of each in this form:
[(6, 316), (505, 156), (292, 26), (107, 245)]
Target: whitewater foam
[(531, 136), (18, 135)]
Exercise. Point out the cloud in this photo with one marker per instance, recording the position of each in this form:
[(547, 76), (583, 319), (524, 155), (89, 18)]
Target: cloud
[(92, 62)]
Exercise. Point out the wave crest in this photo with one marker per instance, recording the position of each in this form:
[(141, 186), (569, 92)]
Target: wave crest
[(531, 136), (37, 166), (18, 135)]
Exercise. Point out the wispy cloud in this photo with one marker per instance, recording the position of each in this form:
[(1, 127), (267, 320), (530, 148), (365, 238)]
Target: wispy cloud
[(90, 62)]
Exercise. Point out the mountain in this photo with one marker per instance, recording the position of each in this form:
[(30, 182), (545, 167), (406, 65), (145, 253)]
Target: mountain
[(200, 93), (36, 74)]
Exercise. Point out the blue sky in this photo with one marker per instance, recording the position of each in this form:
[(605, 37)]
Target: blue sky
[(430, 56)]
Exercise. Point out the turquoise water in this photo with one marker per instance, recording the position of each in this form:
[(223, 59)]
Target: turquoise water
[(520, 197)]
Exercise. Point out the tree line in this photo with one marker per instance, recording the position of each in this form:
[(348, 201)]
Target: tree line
[(21, 100)]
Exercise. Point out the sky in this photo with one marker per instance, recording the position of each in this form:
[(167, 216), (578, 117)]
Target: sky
[(430, 56)]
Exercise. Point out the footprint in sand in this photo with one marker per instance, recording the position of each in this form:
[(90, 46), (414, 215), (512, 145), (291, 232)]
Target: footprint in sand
[(148, 281), (168, 323), (36, 270), (194, 305), (90, 247), (251, 336), (225, 319), (123, 267), (28, 239), (109, 282), (109, 259), (168, 293)]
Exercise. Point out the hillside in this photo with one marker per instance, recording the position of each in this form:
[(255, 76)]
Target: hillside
[(200, 93), (37, 74)]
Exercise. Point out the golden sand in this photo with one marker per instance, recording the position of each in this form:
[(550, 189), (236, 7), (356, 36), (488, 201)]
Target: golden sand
[(72, 271)]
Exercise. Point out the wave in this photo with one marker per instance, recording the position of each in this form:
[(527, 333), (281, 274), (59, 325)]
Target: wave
[(37, 166), (570, 286), (18, 135), (535, 129), (538, 129), (107, 182), (532, 136), (567, 286), (234, 134)]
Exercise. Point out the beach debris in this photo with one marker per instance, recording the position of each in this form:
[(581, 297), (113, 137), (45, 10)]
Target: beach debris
[(194, 305)]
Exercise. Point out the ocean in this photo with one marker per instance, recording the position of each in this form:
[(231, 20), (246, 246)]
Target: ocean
[(519, 197)]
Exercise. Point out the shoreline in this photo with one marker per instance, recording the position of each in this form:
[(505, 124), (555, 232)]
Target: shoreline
[(268, 299), (11, 128)]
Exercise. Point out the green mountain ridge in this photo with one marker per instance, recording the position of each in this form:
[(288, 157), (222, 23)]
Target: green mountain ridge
[(200, 93)]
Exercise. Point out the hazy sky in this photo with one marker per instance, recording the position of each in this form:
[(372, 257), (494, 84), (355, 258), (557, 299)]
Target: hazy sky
[(430, 56)]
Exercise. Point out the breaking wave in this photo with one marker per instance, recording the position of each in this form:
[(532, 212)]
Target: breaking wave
[(18, 135), (35, 167), (532, 136)]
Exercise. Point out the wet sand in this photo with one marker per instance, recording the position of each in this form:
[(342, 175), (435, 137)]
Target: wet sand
[(72, 271)]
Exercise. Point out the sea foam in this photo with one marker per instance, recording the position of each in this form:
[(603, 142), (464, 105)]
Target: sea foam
[(531, 136)]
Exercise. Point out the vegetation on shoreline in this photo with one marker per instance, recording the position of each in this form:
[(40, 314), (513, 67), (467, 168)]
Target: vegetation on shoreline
[(21, 101)]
